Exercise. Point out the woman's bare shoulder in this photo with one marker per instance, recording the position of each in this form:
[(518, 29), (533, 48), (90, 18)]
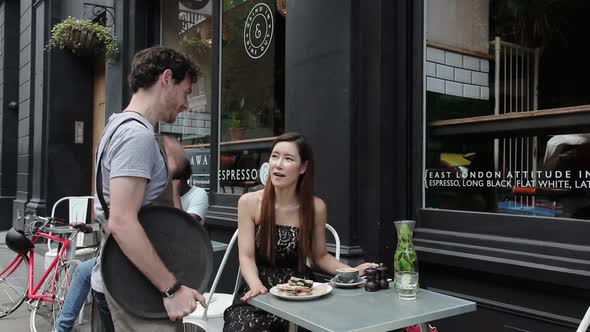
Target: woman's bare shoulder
[(319, 205), (251, 199)]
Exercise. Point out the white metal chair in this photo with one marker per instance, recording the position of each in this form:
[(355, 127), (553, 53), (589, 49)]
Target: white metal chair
[(77, 213), (210, 319), (336, 241), (585, 322)]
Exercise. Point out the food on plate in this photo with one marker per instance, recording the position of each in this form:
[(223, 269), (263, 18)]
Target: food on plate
[(294, 281), (296, 287)]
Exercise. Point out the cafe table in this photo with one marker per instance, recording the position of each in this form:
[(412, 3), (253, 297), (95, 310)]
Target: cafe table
[(361, 311)]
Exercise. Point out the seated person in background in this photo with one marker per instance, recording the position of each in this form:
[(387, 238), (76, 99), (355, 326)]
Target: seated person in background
[(194, 200), (77, 294), (280, 228), (570, 152)]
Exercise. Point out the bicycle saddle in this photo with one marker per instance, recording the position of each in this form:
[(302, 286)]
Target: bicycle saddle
[(18, 242), (182, 244)]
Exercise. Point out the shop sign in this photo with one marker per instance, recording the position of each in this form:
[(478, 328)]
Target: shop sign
[(258, 30)]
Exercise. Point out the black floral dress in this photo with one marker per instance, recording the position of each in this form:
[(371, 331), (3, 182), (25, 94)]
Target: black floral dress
[(242, 317)]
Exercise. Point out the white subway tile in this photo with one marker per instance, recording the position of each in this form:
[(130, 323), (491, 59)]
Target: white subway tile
[(453, 59), (484, 65), (430, 69), (462, 75), (470, 62), (444, 72), (453, 88), (435, 55), (479, 78), (435, 85), (471, 91), (485, 93)]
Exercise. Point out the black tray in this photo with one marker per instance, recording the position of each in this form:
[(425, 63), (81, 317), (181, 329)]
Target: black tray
[(182, 244)]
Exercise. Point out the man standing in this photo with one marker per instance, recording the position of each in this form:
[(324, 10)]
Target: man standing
[(132, 173)]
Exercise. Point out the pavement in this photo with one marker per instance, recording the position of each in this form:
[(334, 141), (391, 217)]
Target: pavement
[(19, 319)]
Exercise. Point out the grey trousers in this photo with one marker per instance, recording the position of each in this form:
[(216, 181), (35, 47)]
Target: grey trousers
[(125, 322)]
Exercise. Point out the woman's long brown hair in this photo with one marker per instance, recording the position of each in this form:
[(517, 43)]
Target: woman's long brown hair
[(304, 192)]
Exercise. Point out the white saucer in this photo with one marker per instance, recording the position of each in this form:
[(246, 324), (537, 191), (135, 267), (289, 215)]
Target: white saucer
[(359, 282)]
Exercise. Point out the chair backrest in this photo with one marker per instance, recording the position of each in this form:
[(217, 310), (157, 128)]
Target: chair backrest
[(585, 322), (228, 250), (77, 212), (78, 208), (336, 240)]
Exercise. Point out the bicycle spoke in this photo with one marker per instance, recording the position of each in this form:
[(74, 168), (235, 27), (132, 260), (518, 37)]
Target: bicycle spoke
[(13, 286), (41, 318)]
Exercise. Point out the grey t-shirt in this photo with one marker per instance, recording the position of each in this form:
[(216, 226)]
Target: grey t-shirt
[(131, 151)]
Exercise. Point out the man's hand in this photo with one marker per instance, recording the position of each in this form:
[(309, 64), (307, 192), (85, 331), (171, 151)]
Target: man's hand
[(183, 303)]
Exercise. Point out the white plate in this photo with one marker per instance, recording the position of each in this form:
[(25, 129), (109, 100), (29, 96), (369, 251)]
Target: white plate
[(319, 289), (359, 281)]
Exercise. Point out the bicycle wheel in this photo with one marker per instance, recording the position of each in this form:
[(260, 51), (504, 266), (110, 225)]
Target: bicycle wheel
[(45, 314), (14, 283)]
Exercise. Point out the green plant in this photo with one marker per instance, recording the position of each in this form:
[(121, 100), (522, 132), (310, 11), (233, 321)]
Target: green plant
[(83, 36), (405, 255), (235, 121), (193, 42)]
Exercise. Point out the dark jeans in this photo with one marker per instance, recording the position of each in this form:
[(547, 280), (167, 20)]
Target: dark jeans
[(103, 311)]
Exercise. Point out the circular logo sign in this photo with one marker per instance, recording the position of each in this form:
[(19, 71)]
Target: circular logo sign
[(264, 170), (194, 4), (258, 30)]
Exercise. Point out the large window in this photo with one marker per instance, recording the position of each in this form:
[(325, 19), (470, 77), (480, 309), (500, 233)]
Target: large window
[(187, 26), (251, 86), (508, 117), (252, 92)]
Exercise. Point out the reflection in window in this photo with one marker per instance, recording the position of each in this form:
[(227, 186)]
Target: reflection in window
[(486, 62), (252, 91), (187, 25)]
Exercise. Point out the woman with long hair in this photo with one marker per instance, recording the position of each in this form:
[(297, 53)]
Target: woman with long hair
[(279, 229)]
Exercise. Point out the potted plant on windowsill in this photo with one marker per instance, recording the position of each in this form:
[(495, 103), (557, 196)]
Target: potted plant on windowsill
[(235, 127), (84, 37), (195, 43)]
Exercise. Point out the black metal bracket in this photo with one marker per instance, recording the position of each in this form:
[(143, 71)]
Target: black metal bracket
[(102, 14)]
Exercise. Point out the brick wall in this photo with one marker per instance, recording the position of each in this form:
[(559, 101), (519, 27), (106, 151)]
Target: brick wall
[(456, 74)]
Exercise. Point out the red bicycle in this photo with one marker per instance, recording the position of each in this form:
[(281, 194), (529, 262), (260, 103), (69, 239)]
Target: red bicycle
[(17, 284)]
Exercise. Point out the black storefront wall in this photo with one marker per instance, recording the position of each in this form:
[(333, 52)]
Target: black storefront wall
[(59, 165), (353, 88), (9, 17), (318, 101)]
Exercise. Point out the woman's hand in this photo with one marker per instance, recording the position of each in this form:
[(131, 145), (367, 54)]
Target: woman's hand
[(365, 266), (253, 292)]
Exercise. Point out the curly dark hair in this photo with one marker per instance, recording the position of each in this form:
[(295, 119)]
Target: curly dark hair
[(186, 172), (150, 63)]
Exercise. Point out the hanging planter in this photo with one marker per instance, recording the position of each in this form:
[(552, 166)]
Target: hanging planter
[(84, 37), (282, 7)]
